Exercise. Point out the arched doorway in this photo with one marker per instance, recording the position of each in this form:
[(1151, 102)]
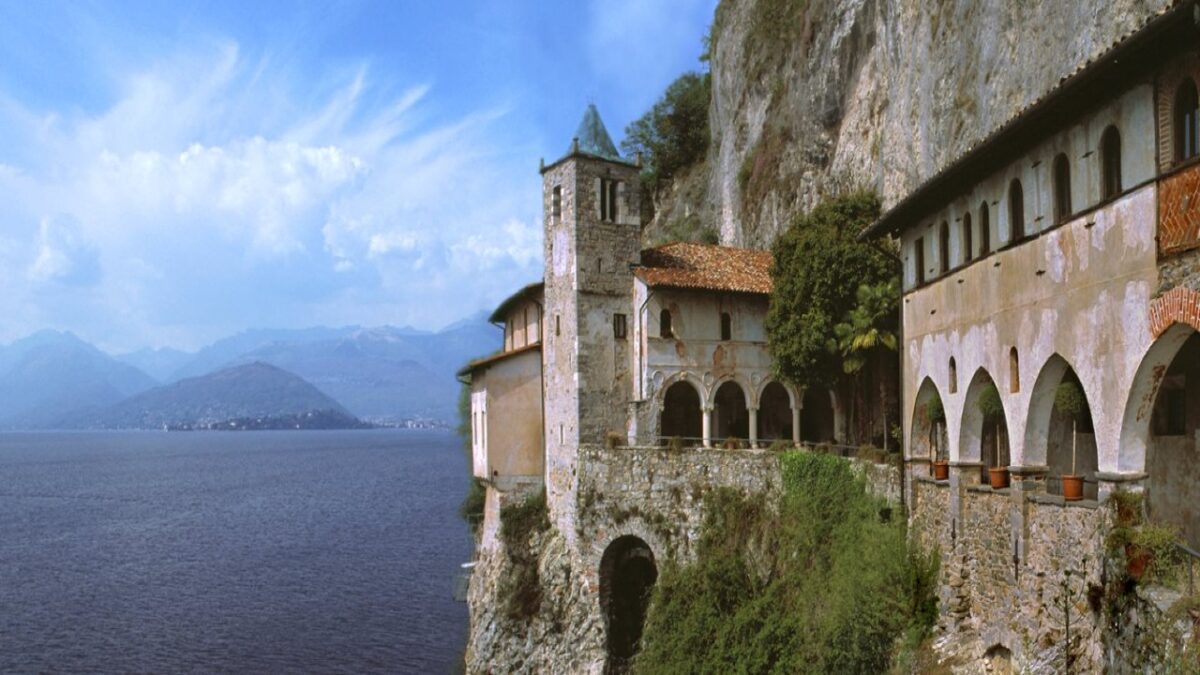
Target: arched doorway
[(627, 576), (730, 415), (1165, 407), (1064, 442), (681, 412), (927, 431), (774, 413), (983, 434), (816, 417)]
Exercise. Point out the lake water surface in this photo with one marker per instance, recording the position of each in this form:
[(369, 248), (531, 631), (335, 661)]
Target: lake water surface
[(240, 551)]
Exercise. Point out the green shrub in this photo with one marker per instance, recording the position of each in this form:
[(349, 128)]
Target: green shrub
[(811, 581), (520, 593), (471, 509)]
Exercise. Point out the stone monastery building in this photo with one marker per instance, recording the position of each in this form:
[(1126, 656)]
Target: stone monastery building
[(625, 344), (1063, 248)]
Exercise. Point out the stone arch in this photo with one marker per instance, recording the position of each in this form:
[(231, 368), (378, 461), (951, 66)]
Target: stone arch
[(762, 387), (1048, 436), (921, 437), (627, 576), (742, 384), (775, 404), (1166, 396), (818, 415), (1139, 408), (730, 401), (680, 409), (977, 442)]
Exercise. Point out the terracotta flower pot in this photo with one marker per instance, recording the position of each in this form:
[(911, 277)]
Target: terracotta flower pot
[(998, 477), (1072, 488), (1136, 561), (941, 470)]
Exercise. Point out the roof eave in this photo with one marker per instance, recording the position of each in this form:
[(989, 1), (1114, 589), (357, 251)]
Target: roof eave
[(1124, 62)]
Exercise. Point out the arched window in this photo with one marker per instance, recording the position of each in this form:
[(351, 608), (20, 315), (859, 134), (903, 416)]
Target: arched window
[(1110, 158), (664, 324), (953, 376), (1016, 210), (985, 230), (1014, 371), (1062, 188), (944, 247), (967, 237), (726, 326), (1187, 109)]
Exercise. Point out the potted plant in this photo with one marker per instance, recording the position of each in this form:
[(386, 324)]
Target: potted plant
[(993, 412), (1069, 401), (937, 415)]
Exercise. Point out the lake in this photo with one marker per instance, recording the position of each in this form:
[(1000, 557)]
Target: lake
[(232, 551)]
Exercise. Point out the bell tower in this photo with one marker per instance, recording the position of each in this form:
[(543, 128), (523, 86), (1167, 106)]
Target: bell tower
[(592, 227)]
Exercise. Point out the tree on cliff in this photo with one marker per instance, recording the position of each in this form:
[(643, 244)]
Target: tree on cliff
[(818, 272), (673, 134)]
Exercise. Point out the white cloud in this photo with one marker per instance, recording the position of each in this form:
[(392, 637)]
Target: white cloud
[(204, 198), (63, 255)]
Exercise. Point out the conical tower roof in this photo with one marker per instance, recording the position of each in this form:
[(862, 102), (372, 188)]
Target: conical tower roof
[(593, 138)]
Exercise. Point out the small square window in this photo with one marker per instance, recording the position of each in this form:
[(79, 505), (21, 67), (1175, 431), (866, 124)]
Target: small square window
[(619, 326)]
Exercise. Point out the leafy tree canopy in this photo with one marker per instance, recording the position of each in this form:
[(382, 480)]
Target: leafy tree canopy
[(818, 269), (990, 404), (1069, 400), (674, 133), (870, 326)]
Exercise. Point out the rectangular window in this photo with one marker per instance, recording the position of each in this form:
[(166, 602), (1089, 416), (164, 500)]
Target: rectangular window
[(557, 326), (919, 260), (556, 202), (726, 326), (619, 326)]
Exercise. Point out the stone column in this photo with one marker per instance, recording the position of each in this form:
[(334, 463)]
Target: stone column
[(753, 427), (1110, 482), (796, 426), (706, 425)]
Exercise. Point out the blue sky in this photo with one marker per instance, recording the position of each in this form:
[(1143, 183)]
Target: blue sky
[(171, 173)]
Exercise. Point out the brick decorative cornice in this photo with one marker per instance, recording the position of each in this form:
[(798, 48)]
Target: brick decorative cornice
[(1178, 305)]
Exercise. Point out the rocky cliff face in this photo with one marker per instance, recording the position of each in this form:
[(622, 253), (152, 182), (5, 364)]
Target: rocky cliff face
[(810, 96)]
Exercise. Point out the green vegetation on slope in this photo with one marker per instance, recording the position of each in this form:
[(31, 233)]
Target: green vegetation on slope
[(521, 589), (819, 581), (673, 134)]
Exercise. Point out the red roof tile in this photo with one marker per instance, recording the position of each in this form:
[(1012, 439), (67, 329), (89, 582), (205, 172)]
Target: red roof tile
[(706, 267)]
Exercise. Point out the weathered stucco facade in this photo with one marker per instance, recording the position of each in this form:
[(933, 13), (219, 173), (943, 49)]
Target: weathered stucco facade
[(1060, 250)]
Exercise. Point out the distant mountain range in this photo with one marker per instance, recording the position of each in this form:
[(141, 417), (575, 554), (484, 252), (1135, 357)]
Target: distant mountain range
[(256, 394), (383, 375)]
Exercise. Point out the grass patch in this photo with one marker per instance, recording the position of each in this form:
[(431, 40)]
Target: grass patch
[(812, 581)]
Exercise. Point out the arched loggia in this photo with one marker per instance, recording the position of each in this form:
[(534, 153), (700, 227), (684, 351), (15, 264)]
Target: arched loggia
[(1159, 429), (681, 411), (983, 434), (1054, 439), (774, 413), (817, 416), (927, 436), (730, 411)]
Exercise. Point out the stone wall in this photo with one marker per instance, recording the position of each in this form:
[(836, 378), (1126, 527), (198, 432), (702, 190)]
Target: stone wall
[(653, 494), (1006, 555)]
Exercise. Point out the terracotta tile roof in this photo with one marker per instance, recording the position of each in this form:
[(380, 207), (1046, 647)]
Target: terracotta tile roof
[(706, 267), (495, 358), (531, 291), (1049, 109)]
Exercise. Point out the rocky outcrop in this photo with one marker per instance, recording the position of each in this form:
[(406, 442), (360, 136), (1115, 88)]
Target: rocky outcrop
[(813, 96), (652, 494)]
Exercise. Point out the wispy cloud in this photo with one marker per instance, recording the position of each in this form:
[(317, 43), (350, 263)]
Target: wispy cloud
[(220, 190)]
